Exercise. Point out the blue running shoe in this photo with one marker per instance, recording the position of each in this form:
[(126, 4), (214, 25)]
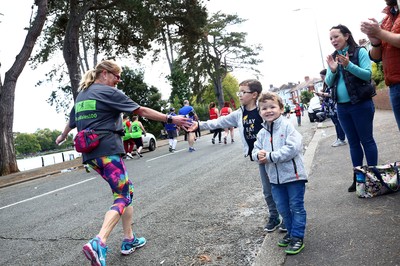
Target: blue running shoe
[(191, 149), (128, 246), (95, 252)]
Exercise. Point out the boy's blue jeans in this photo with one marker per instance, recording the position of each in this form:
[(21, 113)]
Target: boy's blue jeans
[(357, 122), (289, 198), (395, 101), (266, 186)]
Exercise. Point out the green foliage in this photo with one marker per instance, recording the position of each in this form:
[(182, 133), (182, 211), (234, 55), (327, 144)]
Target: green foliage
[(377, 75), (113, 29), (306, 96), (133, 86), (42, 140), (222, 51), (180, 83), (230, 86), (26, 143), (46, 138), (201, 111)]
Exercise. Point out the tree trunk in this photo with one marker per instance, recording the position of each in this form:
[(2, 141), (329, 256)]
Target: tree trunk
[(71, 42), (8, 161), (219, 92)]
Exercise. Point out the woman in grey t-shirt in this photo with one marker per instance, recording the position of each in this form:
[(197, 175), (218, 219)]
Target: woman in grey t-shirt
[(99, 106)]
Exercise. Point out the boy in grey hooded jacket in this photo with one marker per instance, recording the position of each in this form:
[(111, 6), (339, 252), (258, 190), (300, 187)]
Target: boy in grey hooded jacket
[(279, 147)]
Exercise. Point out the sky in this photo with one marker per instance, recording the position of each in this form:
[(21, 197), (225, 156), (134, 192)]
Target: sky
[(287, 30)]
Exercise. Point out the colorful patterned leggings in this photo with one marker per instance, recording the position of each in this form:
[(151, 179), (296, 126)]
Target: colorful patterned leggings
[(112, 169)]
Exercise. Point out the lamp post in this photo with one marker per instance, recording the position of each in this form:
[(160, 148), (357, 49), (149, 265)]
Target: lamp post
[(316, 28)]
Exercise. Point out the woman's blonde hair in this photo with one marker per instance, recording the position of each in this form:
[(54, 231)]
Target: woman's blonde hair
[(271, 96), (91, 75)]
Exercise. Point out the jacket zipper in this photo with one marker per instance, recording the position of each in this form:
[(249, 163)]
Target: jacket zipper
[(271, 140)]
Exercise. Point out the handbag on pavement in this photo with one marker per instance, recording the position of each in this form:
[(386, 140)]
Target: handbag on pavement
[(372, 181)]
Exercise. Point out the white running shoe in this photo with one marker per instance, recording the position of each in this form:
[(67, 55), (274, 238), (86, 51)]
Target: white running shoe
[(338, 143)]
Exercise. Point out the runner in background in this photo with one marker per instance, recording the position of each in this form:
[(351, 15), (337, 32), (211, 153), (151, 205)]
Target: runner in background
[(226, 110)]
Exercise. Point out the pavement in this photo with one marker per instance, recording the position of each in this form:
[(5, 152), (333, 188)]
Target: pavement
[(342, 229)]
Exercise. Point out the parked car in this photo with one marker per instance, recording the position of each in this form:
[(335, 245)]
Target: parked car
[(149, 142), (314, 107)]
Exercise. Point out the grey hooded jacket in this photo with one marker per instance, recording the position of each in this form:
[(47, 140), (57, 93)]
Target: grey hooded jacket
[(283, 144)]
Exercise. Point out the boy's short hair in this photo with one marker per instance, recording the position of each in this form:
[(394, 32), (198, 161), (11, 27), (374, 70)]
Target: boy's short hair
[(271, 96), (253, 84)]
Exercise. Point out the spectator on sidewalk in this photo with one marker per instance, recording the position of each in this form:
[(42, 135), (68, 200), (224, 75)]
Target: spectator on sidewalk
[(248, 120), (331, 111), (385, 44), (279, 147), (297, 111), (348, 74), (302, 109), (226, 110), (287, 110)]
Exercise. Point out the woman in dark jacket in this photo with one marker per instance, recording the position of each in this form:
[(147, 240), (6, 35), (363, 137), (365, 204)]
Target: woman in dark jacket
[(349, 75)]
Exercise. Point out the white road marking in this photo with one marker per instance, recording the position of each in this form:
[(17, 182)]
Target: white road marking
[(59, 189), (47, 193), (167, 154)]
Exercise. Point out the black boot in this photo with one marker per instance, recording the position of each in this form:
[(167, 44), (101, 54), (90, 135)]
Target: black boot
[(352, 188)]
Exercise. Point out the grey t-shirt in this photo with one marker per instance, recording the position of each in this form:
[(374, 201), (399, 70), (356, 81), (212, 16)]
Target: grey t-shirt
[(99, 107)]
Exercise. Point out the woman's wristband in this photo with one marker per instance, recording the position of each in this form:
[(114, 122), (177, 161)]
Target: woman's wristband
[(376, 45)]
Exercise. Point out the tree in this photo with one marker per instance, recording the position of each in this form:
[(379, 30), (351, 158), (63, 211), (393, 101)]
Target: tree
[(47, 139), (8, 161), (224, 50), (134, 87), (26, 143), (180, 84), (41, 141), (85, 30), (230, 86), (377, 74), (111, 28), (306, 96), (181, 24)]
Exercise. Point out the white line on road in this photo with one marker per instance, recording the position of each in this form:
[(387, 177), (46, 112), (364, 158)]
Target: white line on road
[(47, 193), (50, 192), (168, 154)]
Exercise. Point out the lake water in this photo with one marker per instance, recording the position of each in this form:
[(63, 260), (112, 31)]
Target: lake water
[(49, 159)]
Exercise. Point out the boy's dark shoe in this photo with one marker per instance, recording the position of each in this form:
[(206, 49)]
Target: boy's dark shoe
[(285, 241), (295, 246), (272, 225), (282, 227)]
